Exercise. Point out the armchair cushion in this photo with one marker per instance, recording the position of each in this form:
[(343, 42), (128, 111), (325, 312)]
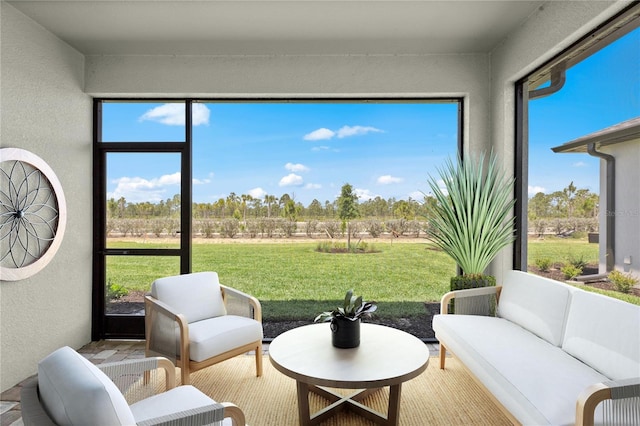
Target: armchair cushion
[(214, 336), (74, 391), (167, 404), (197, 296)]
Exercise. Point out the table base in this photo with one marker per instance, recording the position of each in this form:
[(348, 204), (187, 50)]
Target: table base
[(350, 402)]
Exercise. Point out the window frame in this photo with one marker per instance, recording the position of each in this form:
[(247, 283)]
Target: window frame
[(130, 326)]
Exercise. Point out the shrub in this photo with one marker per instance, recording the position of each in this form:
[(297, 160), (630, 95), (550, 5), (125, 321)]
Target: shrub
[(116, 291), (539, 225), (340, 247), (332, 228), (207, 228), (229, 227), (374, 227), (571, 271), (544, 264), (288, 227), (311, 228), (578, 262), (623, 282)]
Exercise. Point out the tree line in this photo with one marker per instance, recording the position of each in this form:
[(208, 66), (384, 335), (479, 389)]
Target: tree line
[(561, 212), (564, 212), (244, 207)]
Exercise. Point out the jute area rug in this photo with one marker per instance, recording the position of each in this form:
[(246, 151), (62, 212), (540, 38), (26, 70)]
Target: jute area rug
[(436, 397)]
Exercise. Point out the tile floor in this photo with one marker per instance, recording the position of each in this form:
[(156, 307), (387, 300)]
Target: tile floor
[(96, 352)]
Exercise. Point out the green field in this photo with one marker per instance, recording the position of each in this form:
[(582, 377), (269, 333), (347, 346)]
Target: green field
[(561, 250), (294, 281)]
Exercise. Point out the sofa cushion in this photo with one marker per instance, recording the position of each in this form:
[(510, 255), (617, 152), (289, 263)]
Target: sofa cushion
[(74, 391), (593, 334), (218, 335), (535, 303), (197, 296), (536, 382)]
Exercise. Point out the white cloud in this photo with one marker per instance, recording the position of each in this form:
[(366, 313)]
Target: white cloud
[(172, 179), (533, 190), (137, 189), (364, 194), (257, 192), (200, 114), (172, 114), (313, 186), (388, 179), (291, 179), (320, 148), (296, 167), (580, 164), (346, 131), (320, 134), (417, 195), (201, 181)]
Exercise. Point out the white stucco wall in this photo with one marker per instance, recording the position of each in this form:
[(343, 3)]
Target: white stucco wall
[(627, 210), (547, 32), (45, 111)]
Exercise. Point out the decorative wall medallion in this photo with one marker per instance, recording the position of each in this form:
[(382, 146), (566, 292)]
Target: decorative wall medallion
[(33, 214)]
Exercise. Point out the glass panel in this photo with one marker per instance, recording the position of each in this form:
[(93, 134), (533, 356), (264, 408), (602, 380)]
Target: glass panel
[(565, 212), (143, 122), (129, 278), (143, 199), (270, 185)]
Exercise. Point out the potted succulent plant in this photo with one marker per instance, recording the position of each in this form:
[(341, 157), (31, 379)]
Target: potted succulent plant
[(345, 320), (470, 218)]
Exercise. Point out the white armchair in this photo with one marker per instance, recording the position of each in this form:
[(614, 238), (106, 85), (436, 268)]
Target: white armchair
[(71, 390), (196, 322)]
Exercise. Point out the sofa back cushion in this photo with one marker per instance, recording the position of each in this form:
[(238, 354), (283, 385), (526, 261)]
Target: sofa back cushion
[(197, 296), (604, 333), (536, 304), (73, 391)]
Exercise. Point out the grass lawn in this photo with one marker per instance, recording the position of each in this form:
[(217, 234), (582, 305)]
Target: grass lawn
[(293, 280), (561, 250)]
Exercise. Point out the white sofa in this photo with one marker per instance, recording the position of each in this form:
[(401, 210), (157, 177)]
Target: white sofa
[(550, 353)]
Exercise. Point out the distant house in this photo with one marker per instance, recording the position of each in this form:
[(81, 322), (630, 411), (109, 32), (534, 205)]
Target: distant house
[(618, 148)]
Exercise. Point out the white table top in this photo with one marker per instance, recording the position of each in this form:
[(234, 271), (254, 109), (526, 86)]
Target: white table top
[(386, 356)]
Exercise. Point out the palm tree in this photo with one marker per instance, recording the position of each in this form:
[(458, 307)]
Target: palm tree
[(269, 199)]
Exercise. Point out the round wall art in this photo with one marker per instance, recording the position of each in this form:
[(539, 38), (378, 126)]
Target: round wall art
[(33, 214)]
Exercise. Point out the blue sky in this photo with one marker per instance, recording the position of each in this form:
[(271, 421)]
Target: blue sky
[(309, 150), (601, 91)]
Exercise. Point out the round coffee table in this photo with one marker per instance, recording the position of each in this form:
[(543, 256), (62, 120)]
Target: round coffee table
[(386, 357)]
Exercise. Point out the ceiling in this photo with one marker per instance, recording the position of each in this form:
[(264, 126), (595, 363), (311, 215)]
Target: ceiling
[(269, 27)]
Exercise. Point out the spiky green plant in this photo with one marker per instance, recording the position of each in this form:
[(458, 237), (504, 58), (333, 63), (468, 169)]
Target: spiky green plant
[(470, 219)]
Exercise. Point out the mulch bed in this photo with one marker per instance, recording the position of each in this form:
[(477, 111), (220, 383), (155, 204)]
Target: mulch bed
[(556, 274), (419, 326)]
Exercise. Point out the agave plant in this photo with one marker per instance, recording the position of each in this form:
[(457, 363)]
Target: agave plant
[(353, 308), (470, 218)]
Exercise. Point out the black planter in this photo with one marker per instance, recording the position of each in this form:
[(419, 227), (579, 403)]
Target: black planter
[(345, 333)]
